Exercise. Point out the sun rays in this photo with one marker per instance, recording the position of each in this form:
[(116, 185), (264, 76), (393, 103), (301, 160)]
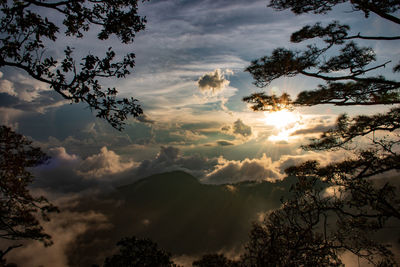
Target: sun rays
[(284, 122)]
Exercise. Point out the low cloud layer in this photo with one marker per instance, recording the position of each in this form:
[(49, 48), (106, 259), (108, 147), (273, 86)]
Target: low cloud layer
[(64, 229), (68, 173)]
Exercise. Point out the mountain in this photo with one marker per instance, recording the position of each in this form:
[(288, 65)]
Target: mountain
[(179, 213)]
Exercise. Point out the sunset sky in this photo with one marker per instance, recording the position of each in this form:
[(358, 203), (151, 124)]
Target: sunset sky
[(190, 80)]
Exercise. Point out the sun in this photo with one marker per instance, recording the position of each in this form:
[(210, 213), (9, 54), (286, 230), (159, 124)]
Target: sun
[(281, 119), (284, 122)]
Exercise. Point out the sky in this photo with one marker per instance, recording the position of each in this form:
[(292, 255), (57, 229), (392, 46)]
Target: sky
[(189, 78)]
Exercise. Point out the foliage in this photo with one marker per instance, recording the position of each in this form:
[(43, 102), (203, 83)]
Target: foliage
[(27, 31), (337, 207), (215, 260), (355, 87), (135, 252), (19, 210)]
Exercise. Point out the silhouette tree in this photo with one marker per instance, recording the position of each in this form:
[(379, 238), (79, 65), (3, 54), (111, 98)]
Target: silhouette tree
[(135, 252), (337, 207), (19, 210), (27, 31)]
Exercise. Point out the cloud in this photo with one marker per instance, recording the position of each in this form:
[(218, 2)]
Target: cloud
[(241, 129), (61, 154), (225, 128), (7, 87), (213, 81), (185, 136), (233, 171), (231, 188), (314, 130), (37, 101), (263, 168), (22, 86), (68, 173), (224, 143), (170, 159), (323, 158), (8, 117), (64, 228), (145, 119), (105, 163)]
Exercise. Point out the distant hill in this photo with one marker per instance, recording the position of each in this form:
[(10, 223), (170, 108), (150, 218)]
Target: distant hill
[(179, 213)]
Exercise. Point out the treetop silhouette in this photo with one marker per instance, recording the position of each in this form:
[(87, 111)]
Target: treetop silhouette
[(20, 212), (336, 207), (27, 32)]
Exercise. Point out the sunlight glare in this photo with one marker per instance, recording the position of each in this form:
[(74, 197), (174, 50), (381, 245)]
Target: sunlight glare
[(285, 123), (281, 119)]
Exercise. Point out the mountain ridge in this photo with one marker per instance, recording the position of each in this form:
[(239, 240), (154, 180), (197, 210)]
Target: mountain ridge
[(175, 208)]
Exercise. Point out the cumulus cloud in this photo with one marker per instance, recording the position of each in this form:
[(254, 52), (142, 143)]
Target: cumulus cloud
[(170, 159), (68, 173), (105, 163), (61, 154), (233, 171), (21, 86), (242, 129), (213, 81), (7, 87), (37, 102), (263, 168)]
